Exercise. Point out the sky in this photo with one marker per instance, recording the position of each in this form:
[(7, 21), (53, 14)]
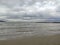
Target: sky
[(29, 10)]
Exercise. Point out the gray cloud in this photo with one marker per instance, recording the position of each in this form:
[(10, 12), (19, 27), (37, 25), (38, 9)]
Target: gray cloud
[(29, 9)]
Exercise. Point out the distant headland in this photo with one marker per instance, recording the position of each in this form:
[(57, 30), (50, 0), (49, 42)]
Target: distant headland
[(47, 22), (2, 21)]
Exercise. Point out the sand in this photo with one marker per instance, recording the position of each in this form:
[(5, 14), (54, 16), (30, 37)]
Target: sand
[(34, 40)]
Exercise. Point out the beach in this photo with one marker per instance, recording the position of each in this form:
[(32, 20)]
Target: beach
[(43, 40), (29, 33)]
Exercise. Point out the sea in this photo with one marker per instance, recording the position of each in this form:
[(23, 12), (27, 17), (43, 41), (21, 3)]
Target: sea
[(11, 30)]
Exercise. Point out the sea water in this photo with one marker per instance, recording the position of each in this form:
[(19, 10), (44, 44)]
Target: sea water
[(10, 30)]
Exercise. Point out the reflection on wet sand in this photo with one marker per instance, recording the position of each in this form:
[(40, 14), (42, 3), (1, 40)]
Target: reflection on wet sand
[(10, 30)]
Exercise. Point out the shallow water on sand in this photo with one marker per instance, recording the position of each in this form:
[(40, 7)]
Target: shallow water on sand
[(9, 30)]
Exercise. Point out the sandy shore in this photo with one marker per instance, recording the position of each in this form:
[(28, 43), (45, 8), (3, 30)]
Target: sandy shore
[(35, 40)]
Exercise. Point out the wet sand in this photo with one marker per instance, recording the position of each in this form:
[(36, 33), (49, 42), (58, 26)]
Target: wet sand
[(34, 40), (29, 33)]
